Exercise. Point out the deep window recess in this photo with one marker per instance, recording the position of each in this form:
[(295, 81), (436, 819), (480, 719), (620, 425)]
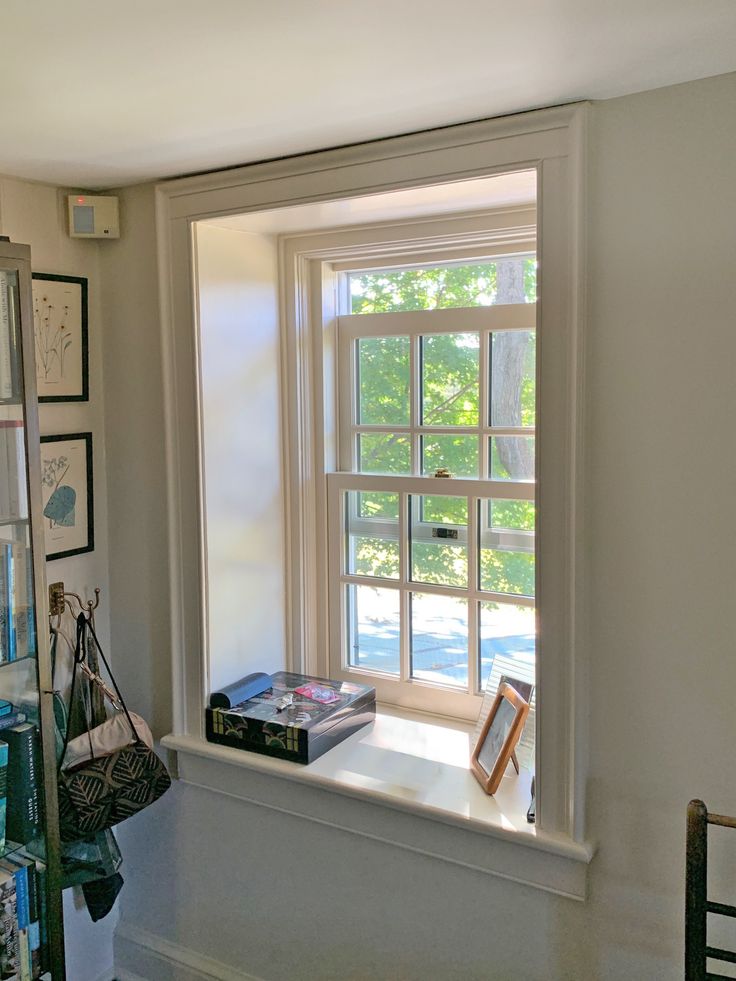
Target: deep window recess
[(301, 224), (433, 577)]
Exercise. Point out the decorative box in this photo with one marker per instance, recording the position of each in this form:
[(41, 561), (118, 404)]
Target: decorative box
[(300, 731)]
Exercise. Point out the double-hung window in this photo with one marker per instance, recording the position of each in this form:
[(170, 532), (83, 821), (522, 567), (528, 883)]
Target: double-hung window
[(432, 513)]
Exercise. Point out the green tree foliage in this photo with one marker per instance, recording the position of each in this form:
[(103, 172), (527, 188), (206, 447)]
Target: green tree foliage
[(438, 288)]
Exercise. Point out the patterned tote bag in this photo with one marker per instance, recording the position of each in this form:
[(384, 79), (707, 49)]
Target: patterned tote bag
[(105, 790)]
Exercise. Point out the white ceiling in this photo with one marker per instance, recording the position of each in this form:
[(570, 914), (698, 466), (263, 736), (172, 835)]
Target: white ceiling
[(98, 94)]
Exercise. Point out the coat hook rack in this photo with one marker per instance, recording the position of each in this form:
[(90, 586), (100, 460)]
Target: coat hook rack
[(60, 600)]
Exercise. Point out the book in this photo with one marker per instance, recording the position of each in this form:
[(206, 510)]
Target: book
[(14, 719), (42, 911), (10, 589), (5, 707), (19, 870), (9, 947), (18, 592), (6, 360), (5, 614), (34, 918), (3, 791), (23, 817), (14, 493), (32, 650)]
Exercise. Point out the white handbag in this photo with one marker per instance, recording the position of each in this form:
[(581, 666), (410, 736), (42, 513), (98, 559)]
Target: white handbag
[(106, 739)]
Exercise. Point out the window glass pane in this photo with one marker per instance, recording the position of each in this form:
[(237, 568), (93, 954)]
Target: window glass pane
[(507, 571), (507, 651), (373, 628), (384, 453), (438, 509), (377, 504), (530, 280), (438, 540), (450, 380), (507, 643), (371, 544), (513, 515), (513, 386), (439, 639), (512, 458), (459, 454), (506, 553), (437, 287), (383, 381)]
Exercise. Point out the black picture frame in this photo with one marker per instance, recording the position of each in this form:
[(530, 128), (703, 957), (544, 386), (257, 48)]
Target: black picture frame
[(54, 530), (80, 334)]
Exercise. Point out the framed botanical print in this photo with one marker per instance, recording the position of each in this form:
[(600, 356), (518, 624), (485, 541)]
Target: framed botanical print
[(60, 337), (67, 494)]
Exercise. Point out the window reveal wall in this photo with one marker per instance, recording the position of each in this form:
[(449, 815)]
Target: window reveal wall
[(243, 501)]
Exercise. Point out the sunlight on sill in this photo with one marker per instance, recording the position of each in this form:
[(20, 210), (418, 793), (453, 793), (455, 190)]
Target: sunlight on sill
[(416, 760)]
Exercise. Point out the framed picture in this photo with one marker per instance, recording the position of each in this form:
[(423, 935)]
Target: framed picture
[(498, 738), (60, 335), (66, 494)]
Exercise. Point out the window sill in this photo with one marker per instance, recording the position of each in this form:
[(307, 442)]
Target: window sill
[(405, 780)]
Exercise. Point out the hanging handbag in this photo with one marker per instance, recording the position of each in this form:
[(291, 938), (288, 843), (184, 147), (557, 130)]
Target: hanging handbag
[(95, 860), (105, 790)]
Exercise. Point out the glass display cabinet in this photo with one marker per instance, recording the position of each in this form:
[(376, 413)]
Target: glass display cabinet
[(31, 927)]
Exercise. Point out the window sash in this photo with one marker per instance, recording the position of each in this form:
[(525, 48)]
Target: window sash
[(485, 321), (452, 320), (351, 328), (447, 700)]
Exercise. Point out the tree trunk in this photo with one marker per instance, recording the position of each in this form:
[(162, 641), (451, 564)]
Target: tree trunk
[(508, 361)]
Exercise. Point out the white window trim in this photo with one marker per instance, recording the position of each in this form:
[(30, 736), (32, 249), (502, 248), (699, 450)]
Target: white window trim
[(550, 140), (309, 279)]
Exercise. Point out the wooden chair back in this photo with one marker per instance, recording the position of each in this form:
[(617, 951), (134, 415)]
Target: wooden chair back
[(697, 904)]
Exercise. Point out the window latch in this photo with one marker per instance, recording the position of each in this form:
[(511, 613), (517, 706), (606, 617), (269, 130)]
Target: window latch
[(444, 533)]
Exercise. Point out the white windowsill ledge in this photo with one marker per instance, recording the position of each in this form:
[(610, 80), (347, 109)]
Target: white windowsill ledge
[(405, 780)]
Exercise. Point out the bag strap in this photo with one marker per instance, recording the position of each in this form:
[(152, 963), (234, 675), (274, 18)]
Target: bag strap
[(84, 628), (88, 628), (78, 656)]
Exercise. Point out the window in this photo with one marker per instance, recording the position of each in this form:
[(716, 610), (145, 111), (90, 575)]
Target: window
[(432, 578), (311, 231)]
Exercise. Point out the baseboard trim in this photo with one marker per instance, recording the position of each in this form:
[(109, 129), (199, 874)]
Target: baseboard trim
[(144, 956), (110, 975)]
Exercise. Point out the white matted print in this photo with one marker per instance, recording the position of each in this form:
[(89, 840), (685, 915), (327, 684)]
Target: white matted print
[(66, 494), (60, 336)]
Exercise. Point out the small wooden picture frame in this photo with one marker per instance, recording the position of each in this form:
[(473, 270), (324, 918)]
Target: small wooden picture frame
[(498, 738)]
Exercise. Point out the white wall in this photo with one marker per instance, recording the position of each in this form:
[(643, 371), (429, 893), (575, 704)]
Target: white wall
[(34, 214), (136, 474), (239, 354), (282, 898)]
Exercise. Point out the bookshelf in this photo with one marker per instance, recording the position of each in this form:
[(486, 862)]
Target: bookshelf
[(31, 926)]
